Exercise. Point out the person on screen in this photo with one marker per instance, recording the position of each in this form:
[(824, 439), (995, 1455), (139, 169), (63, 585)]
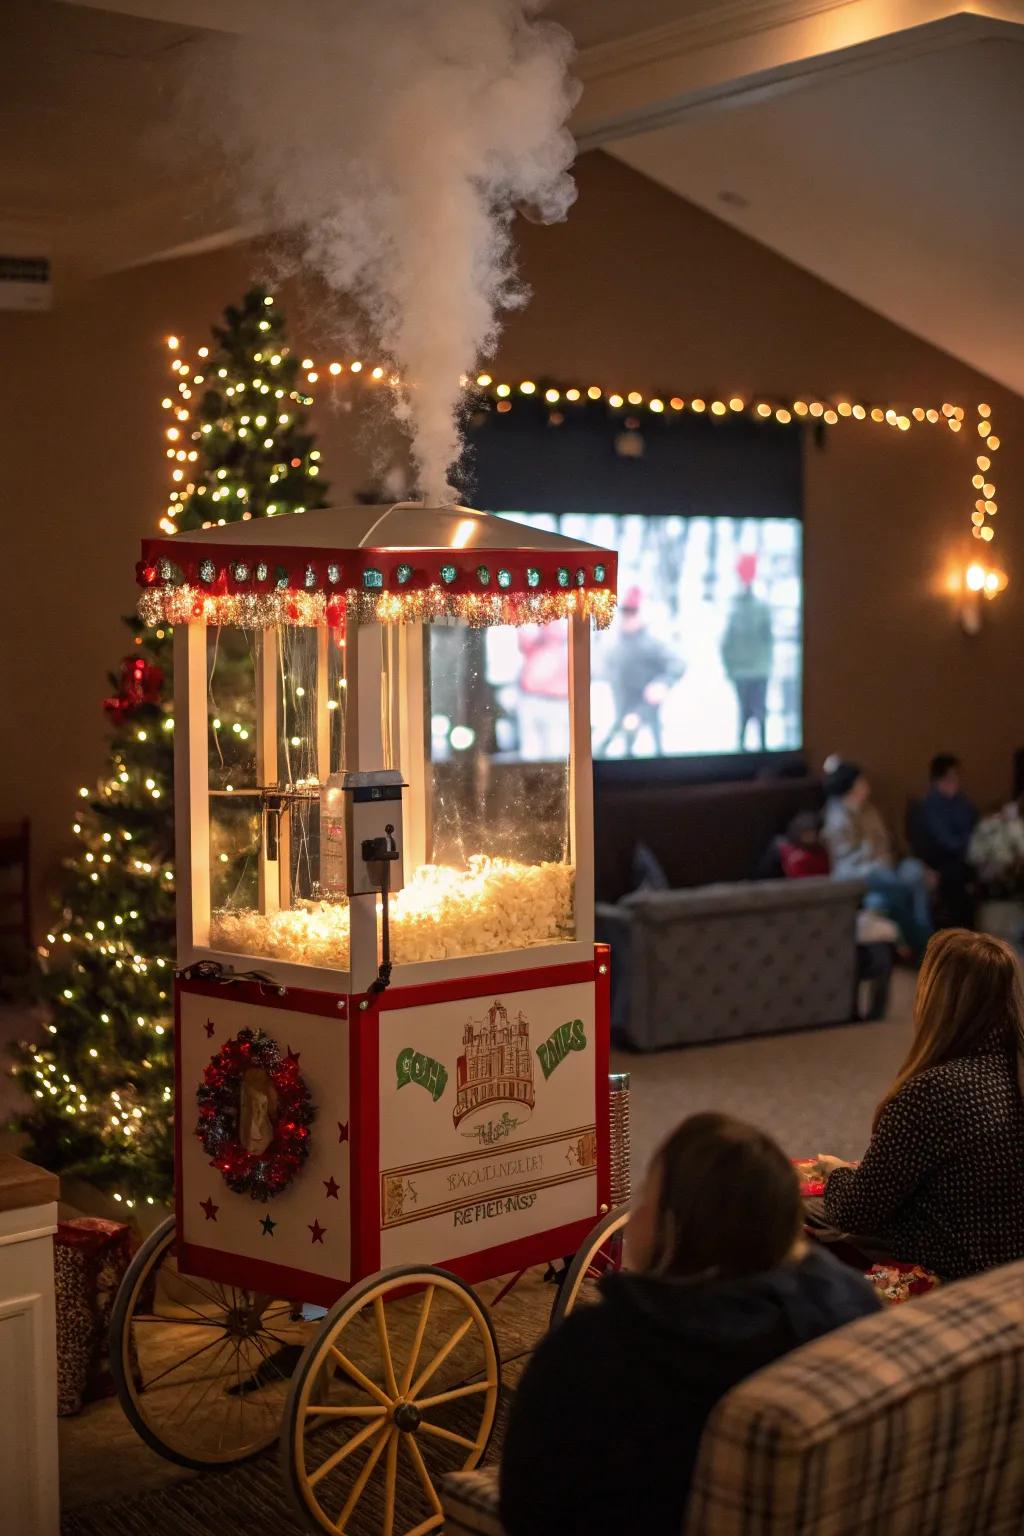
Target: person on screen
[(747, 647), (860, 848), (641, 670), (543, 692)]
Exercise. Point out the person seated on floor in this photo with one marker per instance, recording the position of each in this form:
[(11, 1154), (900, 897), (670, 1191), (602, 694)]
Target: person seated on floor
[(860, 848), (941, 1183), (940, 827), (801, 851), (605, 1424)]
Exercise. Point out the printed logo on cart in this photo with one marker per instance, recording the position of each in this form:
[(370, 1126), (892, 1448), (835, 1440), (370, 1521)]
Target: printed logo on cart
[(565, 1039), (486, 1178), (487, 1209), (413, 1067), (495, 1067), (492, 1131)]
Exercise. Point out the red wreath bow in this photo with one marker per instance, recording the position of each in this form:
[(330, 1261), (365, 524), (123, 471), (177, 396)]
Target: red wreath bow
[(141, 682)]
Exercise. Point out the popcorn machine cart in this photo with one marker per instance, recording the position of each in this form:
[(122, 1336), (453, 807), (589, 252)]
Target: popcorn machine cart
[(391, 1020)]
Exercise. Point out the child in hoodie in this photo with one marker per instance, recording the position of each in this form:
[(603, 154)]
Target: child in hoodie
[(605, 1425)]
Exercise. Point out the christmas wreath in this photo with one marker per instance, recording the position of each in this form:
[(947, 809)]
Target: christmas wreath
[(254, 1115)]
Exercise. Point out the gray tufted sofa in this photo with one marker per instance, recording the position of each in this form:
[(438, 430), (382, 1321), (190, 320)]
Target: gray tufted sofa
[(718, 962)]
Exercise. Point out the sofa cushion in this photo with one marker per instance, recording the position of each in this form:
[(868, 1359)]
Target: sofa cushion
[(721, 962), (734, 896), (470, 1502), (908, 1423), (648, 874), (701, 831)]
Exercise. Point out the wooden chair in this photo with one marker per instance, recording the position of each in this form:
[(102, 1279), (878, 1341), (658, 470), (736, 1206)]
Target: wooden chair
[(15, 887)]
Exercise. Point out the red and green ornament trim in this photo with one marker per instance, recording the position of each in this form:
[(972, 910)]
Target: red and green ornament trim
[(185, 584)]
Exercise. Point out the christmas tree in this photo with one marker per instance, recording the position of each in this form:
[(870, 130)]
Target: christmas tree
[(249, 456), (101, 1083)]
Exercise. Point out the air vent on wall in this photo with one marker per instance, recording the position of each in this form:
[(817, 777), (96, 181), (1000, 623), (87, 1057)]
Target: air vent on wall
[(25, 281)]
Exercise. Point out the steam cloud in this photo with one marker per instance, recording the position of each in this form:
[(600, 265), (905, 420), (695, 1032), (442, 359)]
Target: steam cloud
[(397, 136)]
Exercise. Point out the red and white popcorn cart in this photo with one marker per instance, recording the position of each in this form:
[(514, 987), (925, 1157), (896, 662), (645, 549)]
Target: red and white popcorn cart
[(391, 1017)]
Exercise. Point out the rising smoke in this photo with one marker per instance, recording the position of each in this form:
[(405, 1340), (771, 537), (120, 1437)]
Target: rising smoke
[(396, 137)]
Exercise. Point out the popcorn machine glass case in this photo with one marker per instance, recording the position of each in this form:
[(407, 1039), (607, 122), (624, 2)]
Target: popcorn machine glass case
[(373, 879)]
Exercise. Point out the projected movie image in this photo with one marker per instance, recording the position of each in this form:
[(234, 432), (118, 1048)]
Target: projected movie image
[(704, 655)]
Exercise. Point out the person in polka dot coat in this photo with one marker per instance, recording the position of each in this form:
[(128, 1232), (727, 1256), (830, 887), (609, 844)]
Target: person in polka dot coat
[(942, 1182)]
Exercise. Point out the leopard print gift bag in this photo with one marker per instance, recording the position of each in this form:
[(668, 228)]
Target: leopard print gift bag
[(90, 1257)]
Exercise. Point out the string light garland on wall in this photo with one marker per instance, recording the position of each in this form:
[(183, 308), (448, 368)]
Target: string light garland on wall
[(559, 398), (502, 395)]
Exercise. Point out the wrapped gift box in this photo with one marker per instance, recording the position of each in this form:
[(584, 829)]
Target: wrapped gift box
[(90, 1257)]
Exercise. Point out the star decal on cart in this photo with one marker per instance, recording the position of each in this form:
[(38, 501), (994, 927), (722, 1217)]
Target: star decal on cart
[(209, 1026), (208, 1206), (332, 1186), (268, 1226), (317, 1231), (342, 1131)]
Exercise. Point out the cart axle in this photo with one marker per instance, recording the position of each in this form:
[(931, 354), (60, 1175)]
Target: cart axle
[(406, 1417)]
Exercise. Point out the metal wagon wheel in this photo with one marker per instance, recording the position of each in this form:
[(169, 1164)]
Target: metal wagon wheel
[(202, 1369), (401, 1382), (600, 1252)]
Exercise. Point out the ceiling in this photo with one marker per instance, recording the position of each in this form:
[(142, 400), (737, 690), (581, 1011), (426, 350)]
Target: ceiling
[(875, 145), (899, 184)]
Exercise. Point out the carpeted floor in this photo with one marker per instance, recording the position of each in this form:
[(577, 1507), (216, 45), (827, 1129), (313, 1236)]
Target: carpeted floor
[(252, 1498), (814, 1090)]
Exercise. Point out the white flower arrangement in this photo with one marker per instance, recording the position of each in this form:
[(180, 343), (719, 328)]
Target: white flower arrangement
[(997, 852)]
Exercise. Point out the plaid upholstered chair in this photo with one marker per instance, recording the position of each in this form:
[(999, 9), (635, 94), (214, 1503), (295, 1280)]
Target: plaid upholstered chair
[(910, 1423)]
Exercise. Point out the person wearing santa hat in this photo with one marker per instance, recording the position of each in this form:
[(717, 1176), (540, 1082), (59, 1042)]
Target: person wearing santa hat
[(747, 647), (641, 671)]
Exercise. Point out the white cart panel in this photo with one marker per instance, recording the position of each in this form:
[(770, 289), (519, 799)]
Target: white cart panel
[(487, 1121)]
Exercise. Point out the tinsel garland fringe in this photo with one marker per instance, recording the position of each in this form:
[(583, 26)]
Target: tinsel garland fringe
[(261, 610)]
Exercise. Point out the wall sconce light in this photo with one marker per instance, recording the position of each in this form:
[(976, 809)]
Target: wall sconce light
[(980, 583)]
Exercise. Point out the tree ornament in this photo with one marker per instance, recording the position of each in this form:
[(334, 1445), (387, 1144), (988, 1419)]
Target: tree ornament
[(141, 682)]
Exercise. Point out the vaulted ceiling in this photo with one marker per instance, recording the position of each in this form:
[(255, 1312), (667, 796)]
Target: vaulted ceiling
[(875, 145)]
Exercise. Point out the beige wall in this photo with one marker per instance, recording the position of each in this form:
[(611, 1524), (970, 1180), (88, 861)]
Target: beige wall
[(641, 290), (636, 290)]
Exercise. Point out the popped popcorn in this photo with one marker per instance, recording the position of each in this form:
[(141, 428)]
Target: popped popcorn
[(491, 906)]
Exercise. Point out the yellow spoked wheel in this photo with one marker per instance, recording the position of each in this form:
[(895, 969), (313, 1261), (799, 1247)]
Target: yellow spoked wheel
[(399, 1387), (601, 1252), (202, 1369)]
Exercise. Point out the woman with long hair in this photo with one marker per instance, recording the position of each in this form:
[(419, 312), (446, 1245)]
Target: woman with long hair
[(606, 1421), (942, 1182)]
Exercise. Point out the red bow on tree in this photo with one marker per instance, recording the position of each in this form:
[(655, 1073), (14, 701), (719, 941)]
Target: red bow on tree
[(141, 683)]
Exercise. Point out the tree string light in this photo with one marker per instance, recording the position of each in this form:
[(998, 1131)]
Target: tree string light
[(99, 1085)]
